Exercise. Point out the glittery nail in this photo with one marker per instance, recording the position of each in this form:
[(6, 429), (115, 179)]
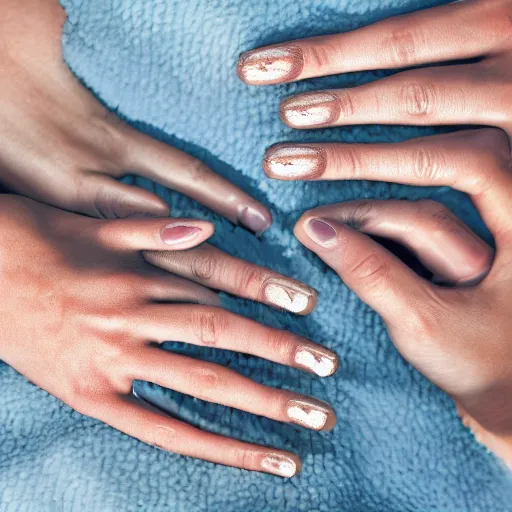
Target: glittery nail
[(270, 65), (294, 161), (280, 465), (311, 109)]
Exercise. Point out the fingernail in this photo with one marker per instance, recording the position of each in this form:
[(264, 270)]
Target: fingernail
[(321, 362), (321, 232), (295, 298), (311, 109), (172, 234), (291, 161), (253, 219), (311, 413), (271, 65), (280, 465)]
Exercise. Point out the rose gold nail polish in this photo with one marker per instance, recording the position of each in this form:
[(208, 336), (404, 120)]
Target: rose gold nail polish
[(293, 297), (270, 65), (311, 109), (321, 362), (311, 413), (292, 161), (280, 465)]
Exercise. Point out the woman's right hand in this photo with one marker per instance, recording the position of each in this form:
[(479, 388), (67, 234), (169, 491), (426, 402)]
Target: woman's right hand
[(82, 310)]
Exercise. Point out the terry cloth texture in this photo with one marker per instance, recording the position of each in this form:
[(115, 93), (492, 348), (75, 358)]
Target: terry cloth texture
[(168, 66)]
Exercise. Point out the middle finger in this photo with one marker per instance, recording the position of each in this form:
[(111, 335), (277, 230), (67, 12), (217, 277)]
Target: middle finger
[(431, 96)]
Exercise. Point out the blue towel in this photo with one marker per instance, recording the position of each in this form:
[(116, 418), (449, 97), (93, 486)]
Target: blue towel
[(168, 66)]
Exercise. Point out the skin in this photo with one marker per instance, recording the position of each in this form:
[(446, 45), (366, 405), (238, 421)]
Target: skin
[(457, 336), (64, 329), (59, 145)]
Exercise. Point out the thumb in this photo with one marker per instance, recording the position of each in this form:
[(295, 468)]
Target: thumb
[(379, 278)]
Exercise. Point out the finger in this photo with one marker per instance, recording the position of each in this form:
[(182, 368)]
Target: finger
[(456, 31), (380, 279), (215, 327), (474, 161), (162, 287), (429, 96), (138, 420), (179, 171), (443, 244), (214, 383), (152, 234), (214, 268), (106, 198)]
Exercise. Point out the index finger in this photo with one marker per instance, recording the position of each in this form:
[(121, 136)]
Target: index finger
[(456, 31)]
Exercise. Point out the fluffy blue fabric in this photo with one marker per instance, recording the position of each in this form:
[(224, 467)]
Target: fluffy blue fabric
[(169, 67)]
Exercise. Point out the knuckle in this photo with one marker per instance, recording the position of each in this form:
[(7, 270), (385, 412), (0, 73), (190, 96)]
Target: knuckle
[(360, 214), (418, 98), (198, 170), (401, 46), (345, 103), (319, 55), (210, 326), (281, 344), (248, 278), (427, 164), (204, 267), (205, 379), (350, 162), (372, 271), (110, 138), (245, 459), (440, 214), (161, 436)]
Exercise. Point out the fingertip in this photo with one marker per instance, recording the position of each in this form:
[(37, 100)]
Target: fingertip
[(282, 464), (256, 218), (185, 234)]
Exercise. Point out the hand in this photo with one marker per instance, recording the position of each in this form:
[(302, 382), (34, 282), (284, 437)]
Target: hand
[(459, 337), (60, 146), (96, 310)]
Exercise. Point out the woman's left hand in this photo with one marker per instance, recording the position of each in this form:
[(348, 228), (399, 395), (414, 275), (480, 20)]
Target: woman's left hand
[(60, 146), (459, 337)]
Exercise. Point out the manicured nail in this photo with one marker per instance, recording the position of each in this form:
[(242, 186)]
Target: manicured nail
[(280, 465), (270, 65), (177, 234), (311, 413), (310, 109), (292, 161), (293, 297), (321, 232), (253, 219), (321, 362)]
